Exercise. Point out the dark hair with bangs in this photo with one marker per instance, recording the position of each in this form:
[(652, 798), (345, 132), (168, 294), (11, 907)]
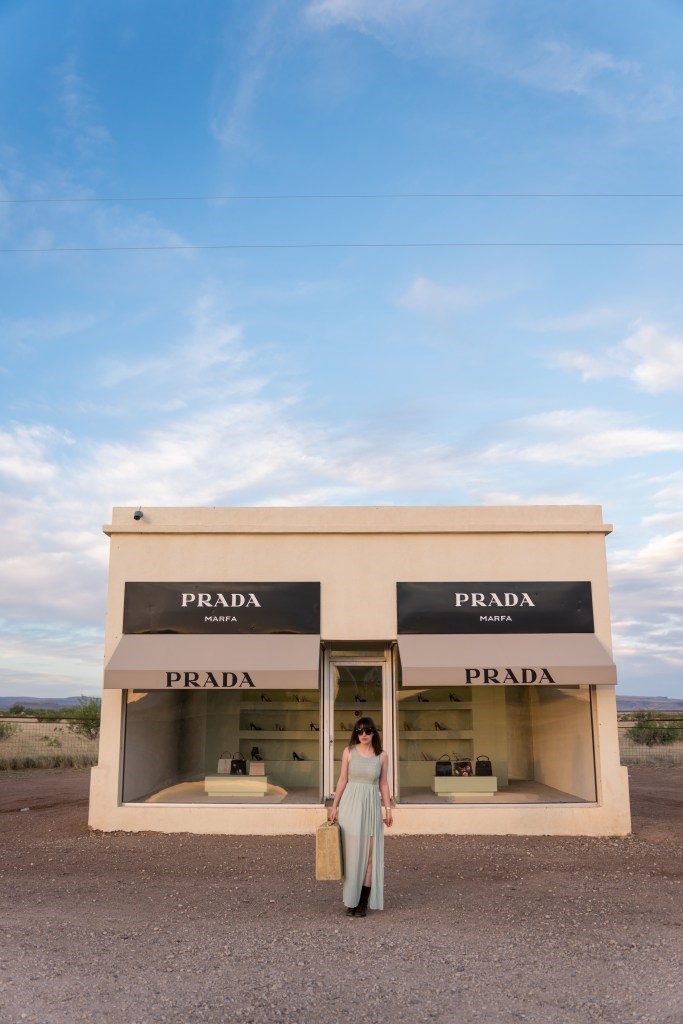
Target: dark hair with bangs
[(369, 724)]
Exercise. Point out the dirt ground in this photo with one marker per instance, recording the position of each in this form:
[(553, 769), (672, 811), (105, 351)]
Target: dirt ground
[(142, 928)]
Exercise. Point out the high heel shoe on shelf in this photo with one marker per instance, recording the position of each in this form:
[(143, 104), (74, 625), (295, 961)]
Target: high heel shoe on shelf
[(426, 757), (407, 727), (280, 728), (267, 700), (441, 728), (360, 700), (299, 699), (257, 728), (314, 727), (422, 700), (297, 757), (451, 696)]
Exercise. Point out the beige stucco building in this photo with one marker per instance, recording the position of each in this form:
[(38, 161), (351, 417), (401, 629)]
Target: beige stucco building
[(242, 644)]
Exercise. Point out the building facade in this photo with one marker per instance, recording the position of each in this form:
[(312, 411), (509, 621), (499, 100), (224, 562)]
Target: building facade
[(243, 643)]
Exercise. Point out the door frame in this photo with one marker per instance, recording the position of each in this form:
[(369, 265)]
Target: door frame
[(387, 664)]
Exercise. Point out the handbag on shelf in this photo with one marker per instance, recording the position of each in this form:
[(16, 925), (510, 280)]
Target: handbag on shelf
[(442, 767), (238, 765), (328, 853), (224, 763), (483, 766), (462, 766)]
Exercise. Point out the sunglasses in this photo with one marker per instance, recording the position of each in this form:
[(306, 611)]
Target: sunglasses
[(363, 731)]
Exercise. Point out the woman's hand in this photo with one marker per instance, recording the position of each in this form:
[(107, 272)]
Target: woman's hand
[(332, 815), (389, 819)]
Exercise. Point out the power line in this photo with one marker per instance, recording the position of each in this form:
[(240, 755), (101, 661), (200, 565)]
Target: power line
[(347, 245), (347, 195)]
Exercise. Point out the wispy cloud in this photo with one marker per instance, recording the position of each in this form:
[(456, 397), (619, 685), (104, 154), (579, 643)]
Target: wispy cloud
[(651, 358), (557, 66), (580, 437), (237, 85), (82, 120), (425, 295), (670, 495), (427, 20), (647, 586), (487, 35), (47, 662), (24, 453), (36, 330), (580, 320), (93, 224)]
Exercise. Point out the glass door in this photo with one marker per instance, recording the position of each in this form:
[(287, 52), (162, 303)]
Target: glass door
[(356, 688)]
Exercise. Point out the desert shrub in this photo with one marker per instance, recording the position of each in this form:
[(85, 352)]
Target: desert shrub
[(7, 729), (84, 718), (650, 732)]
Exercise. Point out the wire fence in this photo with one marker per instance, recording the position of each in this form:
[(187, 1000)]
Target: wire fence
[(33, 742), (652, 741)]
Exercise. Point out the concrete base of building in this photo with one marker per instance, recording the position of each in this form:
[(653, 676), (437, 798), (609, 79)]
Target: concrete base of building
[(611, 817)]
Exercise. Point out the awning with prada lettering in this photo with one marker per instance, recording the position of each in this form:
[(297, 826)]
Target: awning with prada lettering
[(227, 662), (560, 659)]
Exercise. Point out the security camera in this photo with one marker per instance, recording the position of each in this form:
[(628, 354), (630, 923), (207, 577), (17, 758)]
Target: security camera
[(137, 515)]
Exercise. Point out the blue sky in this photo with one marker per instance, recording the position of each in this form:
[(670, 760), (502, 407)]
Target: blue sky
[(353, 370)]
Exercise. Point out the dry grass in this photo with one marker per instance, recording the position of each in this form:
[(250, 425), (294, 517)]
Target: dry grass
[(29, 743)]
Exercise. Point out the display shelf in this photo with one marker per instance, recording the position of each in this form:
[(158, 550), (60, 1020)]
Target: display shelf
[(288, 734), (290, 760), (436, 734), (363, 708), (281, 705), (441, 705)]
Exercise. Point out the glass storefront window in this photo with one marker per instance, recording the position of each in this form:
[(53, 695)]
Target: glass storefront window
[(174, 740), (538, 742)]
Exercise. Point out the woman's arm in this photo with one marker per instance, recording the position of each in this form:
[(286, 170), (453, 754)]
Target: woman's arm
[(341, 785), (384, 789)]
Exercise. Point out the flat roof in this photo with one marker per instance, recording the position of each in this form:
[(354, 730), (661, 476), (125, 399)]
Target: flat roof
[(373, 519)]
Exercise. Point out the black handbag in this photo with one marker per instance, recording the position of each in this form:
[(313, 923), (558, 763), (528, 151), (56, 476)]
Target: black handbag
[(239, 765), (483, 765), (443, 767)]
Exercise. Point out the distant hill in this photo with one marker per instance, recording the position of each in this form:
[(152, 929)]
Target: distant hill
[(48, 703), (649, 703)]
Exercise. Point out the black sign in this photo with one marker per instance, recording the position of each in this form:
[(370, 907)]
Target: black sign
[(222, 608), (495, 607)]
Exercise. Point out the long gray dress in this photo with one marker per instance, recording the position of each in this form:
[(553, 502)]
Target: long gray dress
[(360, 819)]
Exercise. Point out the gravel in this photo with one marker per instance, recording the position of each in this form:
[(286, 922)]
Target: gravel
[(155, 929)]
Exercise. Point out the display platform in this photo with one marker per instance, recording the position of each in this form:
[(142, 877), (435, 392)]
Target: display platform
[(236, 785), (478, 787)]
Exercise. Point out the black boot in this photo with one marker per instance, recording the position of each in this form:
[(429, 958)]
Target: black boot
[(362, 907)]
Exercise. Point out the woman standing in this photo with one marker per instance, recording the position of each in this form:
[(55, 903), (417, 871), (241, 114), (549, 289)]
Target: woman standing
[(362, 780)]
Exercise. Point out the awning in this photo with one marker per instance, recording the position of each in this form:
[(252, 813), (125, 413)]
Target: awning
[(562, 659), (190, 662)]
